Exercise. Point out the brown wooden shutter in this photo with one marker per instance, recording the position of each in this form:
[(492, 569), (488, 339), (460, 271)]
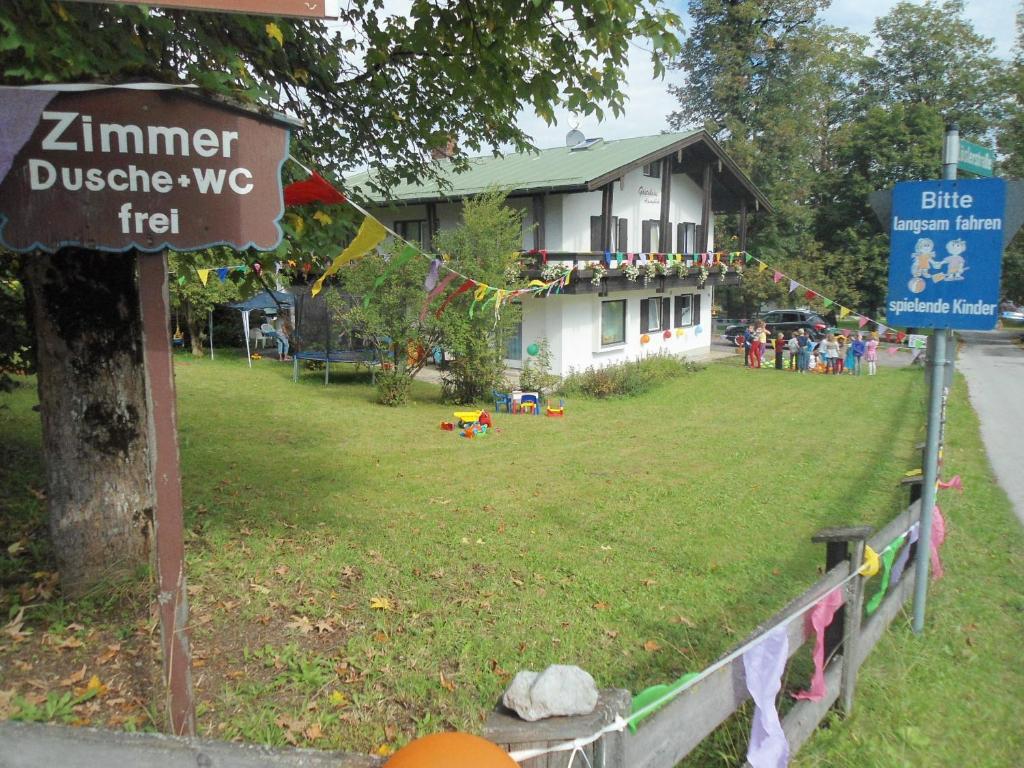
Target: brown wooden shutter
[(666, 313), (623, 240), (695, 310), (595, 233), (677, 316), (668, 238), (645, 236), (643, 315), (680, 238), (700, 246)]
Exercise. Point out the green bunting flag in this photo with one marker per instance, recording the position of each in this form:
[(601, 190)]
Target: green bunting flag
[(396, 263), (887, 558)]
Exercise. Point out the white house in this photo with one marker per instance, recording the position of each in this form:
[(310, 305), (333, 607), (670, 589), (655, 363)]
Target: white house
[(641, 199)]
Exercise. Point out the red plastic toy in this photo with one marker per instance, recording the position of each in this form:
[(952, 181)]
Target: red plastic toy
[(484, 420), (447, 426)]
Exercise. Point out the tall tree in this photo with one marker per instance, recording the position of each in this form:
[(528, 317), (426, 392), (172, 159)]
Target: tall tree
[(1011, 144), (377, 89)]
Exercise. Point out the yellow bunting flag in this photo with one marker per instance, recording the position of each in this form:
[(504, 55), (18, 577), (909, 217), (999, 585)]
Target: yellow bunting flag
[(871, 563), (371, 233), (568, 275), (204, 275), (761, 266), (538, 284), (843, 312), (481, 292)]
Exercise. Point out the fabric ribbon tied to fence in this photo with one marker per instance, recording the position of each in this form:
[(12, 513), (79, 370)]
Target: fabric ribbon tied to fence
[(448, 299), (763, 665), (820, 617), (938, 537), (888, 555), (901, 561)]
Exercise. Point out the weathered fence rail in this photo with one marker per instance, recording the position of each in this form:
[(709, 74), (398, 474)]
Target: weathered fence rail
[(674, 731), (662, 740)]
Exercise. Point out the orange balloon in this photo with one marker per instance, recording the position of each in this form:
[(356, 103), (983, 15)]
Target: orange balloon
[(451, 750)]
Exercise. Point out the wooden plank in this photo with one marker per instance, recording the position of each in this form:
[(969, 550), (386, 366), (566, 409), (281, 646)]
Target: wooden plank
[(853, 614), (896, 526), (29, 745), (802, 720), (674, 731), (842, 533), (664, 233), (874, 627)]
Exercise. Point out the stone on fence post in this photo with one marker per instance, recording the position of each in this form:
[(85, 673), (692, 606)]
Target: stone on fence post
[(509, 731), (845, 626)]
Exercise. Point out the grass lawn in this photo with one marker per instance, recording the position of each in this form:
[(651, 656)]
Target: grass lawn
[(359, 577)]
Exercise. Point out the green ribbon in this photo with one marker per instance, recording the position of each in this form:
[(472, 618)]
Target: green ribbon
[(654, 693), (887, 559), (403, 256)]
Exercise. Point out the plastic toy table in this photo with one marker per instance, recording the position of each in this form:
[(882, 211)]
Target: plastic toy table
[(517, 398)]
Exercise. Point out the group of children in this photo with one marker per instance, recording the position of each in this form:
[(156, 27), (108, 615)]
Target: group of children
[(833, 354)]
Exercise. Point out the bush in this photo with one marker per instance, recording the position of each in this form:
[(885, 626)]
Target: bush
[(633, 377), (392, 387), (536, 375)]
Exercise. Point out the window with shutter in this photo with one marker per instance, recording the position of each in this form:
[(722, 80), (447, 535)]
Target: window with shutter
[(649, 238), (684, 311), (613, 322), (643, 315), (686, 237)]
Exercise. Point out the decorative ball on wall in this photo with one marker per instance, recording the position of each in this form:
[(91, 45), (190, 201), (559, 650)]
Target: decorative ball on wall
[(699, 330), (532, 350), (451, 750), (645, 339), (680, 331), (667, 335)]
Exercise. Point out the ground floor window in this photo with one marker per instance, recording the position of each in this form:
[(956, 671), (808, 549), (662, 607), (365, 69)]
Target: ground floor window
[(514, 343), (413, 231), (687, 310), (613, 322)]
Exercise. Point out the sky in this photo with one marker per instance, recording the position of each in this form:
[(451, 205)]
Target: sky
[(649, 102)]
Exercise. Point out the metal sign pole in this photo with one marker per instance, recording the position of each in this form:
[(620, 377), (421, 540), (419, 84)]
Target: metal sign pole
[(172, 595), (939, 350)]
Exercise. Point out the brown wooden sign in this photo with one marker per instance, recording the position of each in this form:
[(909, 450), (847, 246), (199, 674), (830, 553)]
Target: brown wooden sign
[(306, 9), (116, 169)]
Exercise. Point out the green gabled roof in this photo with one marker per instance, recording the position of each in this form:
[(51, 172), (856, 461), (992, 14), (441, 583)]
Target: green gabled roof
[(561, 168)]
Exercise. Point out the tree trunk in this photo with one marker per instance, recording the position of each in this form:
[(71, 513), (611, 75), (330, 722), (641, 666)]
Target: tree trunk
[(93, 405), (195, 330)]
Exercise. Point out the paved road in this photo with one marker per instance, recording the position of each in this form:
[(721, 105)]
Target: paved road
[(994, 368)]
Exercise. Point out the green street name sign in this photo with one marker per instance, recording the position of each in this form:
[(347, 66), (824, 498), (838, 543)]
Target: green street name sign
[(976, 159)]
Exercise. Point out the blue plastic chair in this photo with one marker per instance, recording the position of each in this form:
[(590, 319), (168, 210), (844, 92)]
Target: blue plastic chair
[(500, 399), (530, 399)]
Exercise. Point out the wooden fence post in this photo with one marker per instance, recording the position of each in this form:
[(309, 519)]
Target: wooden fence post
[(508, 731), (845, 626)]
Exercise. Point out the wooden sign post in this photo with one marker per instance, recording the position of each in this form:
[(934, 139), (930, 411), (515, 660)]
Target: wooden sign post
[(140, 170)]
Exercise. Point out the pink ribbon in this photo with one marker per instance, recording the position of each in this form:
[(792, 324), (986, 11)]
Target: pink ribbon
[(820, 617), (938, 536), (777, 276), (954, 482), (438, 290), (862, 322)]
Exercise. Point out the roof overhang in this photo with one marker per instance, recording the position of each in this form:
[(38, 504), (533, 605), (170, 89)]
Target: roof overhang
[(691, 153)]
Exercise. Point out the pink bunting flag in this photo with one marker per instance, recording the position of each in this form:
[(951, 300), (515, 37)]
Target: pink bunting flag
[(763, 665), (862, 321), (846, 332), (938, 537), (777, 276), (819, 618), (893, 351), (955, 482), (438, 290), (793, 285)]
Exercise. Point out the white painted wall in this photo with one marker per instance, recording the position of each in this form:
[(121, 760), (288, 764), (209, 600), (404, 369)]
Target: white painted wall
[(571, 324)]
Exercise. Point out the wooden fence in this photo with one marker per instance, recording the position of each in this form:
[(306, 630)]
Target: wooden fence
[(666, 737)]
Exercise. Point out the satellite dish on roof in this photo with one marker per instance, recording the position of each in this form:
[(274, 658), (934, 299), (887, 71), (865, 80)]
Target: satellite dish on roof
[(574, 137)]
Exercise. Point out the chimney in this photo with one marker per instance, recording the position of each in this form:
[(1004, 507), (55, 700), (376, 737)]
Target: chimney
[(443, 154)]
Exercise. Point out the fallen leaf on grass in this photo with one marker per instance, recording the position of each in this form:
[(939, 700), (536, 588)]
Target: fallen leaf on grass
[(648, 582), (74, 678), (651, 646), (258, 588), (496, 668), (600, 606), (281, 570), (338, 699), (300, 623), (381, 604), (94, 688), (16, 548), (324, 626), (5, 703), (612, 633), (447, 684), (384, 750), (681, 620), (314, 732), (13, 628), (70, 643)]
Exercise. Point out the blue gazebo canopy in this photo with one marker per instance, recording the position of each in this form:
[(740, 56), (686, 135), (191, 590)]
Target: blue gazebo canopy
[(264, 301)]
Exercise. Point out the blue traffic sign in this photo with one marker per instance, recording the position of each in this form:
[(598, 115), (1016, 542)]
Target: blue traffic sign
[(945, 256)]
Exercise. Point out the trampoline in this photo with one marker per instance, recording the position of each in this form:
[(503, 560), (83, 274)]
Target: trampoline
[(319, 336)]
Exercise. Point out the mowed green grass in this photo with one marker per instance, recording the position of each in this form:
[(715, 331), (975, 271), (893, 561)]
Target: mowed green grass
[(356, 569)]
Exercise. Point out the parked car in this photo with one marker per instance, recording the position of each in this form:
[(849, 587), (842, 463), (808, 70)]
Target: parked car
[(786, 321)]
